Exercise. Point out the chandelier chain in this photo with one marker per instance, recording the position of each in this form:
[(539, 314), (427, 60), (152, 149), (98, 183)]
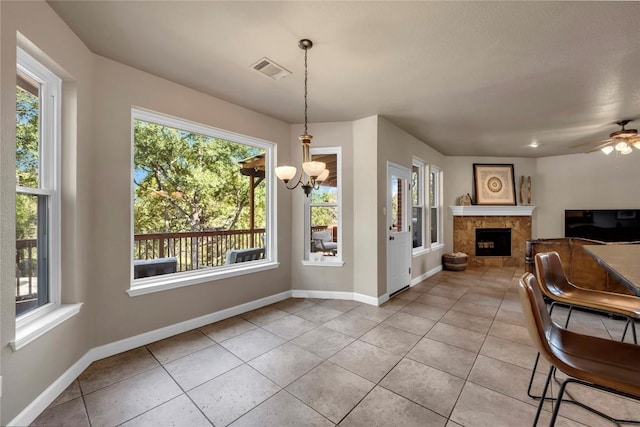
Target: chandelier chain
[(305, 92)]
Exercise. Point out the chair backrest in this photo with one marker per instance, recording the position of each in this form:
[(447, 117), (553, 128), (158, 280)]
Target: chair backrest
[(537, 319), (551, 276), (325, 236), (243, 255)]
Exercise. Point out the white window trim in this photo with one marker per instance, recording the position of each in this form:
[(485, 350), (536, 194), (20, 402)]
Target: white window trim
[(37, 322), (40, 325), (424, 248), (164, 282), (439, 197), (335, 261)]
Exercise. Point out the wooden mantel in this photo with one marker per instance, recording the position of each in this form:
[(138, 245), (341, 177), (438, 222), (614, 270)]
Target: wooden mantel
[(484, 210)]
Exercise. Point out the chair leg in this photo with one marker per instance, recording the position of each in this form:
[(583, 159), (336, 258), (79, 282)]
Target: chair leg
[(607, 417), (533, 374), (631, 322), (544, 394), (556, 407), (568, 317)]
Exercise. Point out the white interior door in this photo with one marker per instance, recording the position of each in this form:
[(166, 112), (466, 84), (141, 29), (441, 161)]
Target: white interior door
[(398, 232)]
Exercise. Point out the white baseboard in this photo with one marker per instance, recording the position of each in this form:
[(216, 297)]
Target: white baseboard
[(35, 408), (301, 293), (426, 275)]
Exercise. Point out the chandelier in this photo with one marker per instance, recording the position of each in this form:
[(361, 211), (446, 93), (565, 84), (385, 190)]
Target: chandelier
[(312, 173)]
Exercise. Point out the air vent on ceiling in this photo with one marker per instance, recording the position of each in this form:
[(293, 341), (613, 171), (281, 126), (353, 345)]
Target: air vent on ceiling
[(270, 69)]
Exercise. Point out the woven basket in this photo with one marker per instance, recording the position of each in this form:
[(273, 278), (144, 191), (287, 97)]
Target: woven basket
[(454, 262)]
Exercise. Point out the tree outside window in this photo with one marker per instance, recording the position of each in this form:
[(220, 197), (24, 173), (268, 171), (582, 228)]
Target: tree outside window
[(197, 195)]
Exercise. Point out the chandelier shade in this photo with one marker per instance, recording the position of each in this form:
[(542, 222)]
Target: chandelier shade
[(286, 173)]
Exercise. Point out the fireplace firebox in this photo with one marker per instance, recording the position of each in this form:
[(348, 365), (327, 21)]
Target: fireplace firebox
[(493, 242)]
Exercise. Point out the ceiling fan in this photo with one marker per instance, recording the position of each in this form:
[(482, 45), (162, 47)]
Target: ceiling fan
[(622, 140)]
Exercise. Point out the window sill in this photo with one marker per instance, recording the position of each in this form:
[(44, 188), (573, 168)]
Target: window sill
[(421, 252), (437, 246), (33, 330), (172, 281), (425, 251), (323, 263)]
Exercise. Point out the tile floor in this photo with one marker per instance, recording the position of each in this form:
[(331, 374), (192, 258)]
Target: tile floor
[(451, 351)]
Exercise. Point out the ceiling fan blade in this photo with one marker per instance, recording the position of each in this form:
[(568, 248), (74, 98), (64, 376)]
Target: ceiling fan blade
[(604, 144), (584, 144)]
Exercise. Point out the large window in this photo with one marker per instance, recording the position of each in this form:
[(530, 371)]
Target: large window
[(324, 242), (201, 201), (418, 210), (435, 205), (37, 189)]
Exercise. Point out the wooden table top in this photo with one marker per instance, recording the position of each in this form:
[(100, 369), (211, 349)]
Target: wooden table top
[(622, 261)]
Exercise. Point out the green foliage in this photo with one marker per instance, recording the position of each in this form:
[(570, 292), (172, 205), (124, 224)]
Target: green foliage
[(327, 212), (27, 136), (191, 182), (27, 163)]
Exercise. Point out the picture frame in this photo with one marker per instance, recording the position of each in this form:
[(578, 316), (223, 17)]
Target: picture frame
[(494, 184)]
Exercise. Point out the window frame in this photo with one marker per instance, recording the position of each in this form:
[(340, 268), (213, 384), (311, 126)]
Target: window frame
[(49, 180), (334, 261), (438, 198), (159, 283), (424, 247)]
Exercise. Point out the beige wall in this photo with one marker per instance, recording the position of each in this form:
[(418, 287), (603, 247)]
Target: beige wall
[(28, 371), (365, 206), (583, 181), (323, 278)]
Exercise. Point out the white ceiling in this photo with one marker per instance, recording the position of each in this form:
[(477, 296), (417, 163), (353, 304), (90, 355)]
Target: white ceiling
[(468, 78)]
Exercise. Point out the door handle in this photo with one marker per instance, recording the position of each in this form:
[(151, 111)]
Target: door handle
[(392, 238)]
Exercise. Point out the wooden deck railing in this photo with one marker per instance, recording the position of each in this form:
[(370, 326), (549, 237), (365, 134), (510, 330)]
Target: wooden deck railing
[(192, 250), (196, 249), (26, 268)]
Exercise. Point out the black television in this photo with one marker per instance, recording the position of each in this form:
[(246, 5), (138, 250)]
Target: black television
[(607, 225)]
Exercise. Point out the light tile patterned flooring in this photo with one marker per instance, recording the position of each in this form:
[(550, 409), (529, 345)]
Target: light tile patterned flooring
[(451, 351)]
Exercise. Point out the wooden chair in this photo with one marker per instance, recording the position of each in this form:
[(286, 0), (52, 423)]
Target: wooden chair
[(603, 364)]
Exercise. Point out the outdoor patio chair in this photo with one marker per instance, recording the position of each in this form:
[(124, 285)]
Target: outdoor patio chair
[(322, 240)]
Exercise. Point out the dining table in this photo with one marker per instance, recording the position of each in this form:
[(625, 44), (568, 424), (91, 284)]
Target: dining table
[(622, 261)]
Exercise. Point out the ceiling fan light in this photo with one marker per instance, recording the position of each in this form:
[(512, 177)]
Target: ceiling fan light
[(626, 150), (607, 150), (621, 146), (637, 144)]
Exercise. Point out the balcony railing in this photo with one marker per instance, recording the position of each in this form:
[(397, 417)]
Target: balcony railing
[(26, 268), (196, 249), (192, 250)]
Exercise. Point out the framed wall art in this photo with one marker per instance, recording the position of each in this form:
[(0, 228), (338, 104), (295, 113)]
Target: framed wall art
[(494, 184)]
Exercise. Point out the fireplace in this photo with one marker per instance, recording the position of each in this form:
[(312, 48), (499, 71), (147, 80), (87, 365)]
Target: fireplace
[(493, 242), (466, 219)]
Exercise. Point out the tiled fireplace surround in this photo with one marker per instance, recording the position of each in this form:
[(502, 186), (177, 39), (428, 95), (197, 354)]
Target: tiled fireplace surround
[(467, 218)]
